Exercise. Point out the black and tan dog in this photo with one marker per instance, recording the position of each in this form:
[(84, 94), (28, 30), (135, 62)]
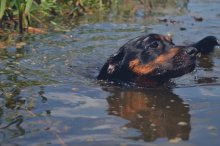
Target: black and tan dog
[(153, 59)]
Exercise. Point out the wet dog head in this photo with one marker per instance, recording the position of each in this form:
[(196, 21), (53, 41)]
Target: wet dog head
[(149, 60)]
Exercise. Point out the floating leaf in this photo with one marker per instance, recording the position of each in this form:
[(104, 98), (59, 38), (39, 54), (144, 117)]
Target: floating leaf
[(36, 30), (20, 44), (3, 45)]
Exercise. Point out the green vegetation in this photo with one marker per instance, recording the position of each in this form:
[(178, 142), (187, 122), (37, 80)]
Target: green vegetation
[(19, 14), (16, 12)]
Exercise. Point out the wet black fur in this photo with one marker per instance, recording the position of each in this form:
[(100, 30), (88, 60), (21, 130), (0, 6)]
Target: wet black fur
[(117, 69)]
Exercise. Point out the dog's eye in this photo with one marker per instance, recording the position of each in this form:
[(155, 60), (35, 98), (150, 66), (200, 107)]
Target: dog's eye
[(154, 44)]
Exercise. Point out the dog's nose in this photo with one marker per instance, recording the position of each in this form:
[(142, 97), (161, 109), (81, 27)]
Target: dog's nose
[(191, 51)]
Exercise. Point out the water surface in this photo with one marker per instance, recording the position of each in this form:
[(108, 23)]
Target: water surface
[(50, 84)]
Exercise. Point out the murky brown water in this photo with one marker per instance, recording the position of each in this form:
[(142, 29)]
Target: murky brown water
[(50, 84)]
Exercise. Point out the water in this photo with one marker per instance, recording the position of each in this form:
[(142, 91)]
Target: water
[(51, 83)]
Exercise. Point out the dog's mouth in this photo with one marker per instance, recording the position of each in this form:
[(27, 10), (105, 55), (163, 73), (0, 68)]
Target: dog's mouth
[(182, 63)]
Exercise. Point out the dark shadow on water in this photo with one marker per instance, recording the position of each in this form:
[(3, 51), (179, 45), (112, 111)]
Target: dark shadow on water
[(156, 113), (206, 64)]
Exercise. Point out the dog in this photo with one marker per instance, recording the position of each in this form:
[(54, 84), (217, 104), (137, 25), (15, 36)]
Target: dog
[(153, 59)]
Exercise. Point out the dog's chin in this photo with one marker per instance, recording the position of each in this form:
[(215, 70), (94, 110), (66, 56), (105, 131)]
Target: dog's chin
[(166, 74), (180, 71), (185, 64), (179, 65)]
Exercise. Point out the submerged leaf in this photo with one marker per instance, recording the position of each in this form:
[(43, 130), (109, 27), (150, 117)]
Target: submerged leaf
[(34, 30)]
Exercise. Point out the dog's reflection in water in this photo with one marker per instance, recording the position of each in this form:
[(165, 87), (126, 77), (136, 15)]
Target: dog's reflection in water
[(156, 113)]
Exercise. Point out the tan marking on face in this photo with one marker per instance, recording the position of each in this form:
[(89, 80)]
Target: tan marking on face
[(141, 69), (136, 66)]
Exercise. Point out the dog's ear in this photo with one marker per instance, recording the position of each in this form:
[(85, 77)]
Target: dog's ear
[(112, 66)]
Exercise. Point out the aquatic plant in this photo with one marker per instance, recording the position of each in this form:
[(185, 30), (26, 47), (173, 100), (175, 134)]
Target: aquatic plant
[(20, 14), (17, 14), (16, 11)]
